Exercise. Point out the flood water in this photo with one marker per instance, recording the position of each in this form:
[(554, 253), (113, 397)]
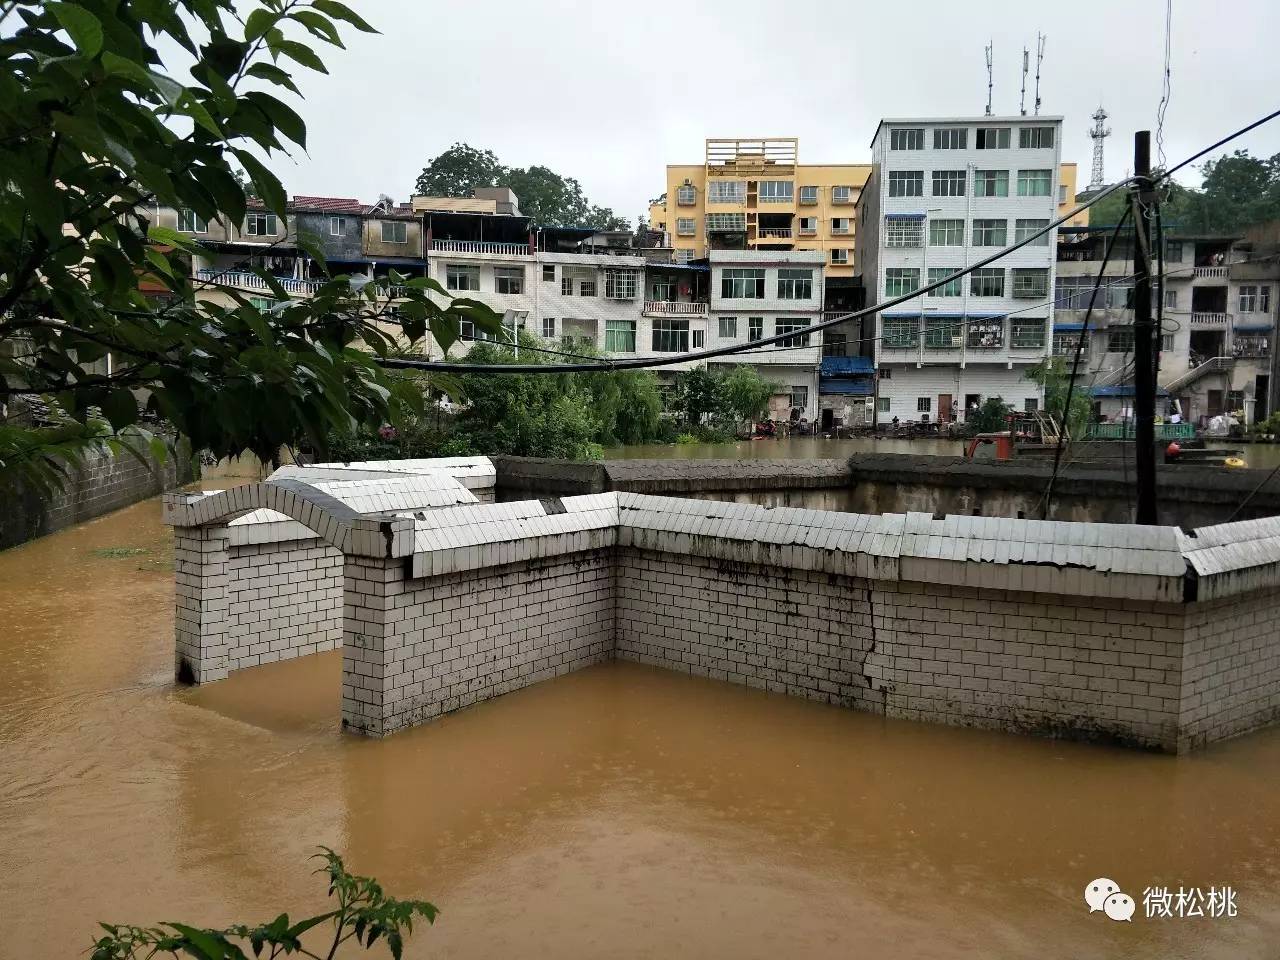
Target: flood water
[(618, 812)]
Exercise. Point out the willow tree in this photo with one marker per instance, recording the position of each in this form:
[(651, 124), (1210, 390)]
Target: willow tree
[(97, 129)]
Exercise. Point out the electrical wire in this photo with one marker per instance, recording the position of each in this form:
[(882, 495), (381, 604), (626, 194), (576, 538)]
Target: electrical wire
[(639, 363), (1047, 500), (1245, 501), (1165, 175), (1167, 85)]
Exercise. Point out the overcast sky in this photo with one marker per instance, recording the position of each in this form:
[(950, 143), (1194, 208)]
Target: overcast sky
[(596, 90)]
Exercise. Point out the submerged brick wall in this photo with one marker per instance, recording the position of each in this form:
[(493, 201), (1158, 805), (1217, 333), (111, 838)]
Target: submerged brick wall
[(284, 600), (417, 648)]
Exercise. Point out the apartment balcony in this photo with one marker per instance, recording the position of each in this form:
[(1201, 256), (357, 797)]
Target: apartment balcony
[(244, 280), (1250, 351), (1210, 320), (1211, 273), (481, 246), (773, 233), (674, 308)]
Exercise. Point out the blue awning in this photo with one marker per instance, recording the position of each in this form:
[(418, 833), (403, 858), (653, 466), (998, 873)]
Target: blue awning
[(904, 216), (1252, 328), (847, 386), (940, 315), (1076, 325), (892, 315), (832, 366), (1122, 390)]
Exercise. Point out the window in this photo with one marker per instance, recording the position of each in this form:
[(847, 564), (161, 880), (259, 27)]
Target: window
[(808, 226), (548, 328), (990, 233), (1030, 405), (946, 233), (942, 333), (755, 328), (191, 222), (1028, 333), (337, 226), (1035, 183), (792, 325), (1264, 299), (949, 183), (1076, 293), (395, 231), (1171, 299), (886, 373), (685, 256), (924, 404), (841, 225), (587, 288), (699, 339), (1025, 228), (987, 282), (901, 333), (662, 289), (799, 398), (912, 139), (260, 224), (991, 183), (618, 285), (1035, 138), (566, 286), (727, 328), (620, 336), (776, 191), (670, 336), (549, 273), (839, 257), (1120, 340), (882, 404), (686, 196), (1173, 251), (261, 303), (900, 280), (458, 277), (686, 226), (1064, 344), (508, 279), (727, 191), (1031, 282), (985, 334), (1248, 299), (742, 283), (906, 183), (727, 222), (834, 344), (951, 288), (808, 194), (1166, 342), (902, 232), (842, 194), (950, 138), (992, 138), (795, 284)]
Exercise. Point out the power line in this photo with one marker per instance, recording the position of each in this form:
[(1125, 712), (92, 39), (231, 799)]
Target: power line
[(1214, 146), (1167, 86), (1265, 481)]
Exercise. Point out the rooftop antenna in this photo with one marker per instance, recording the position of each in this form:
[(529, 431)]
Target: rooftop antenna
[(1040, 39), (988, 48), (1026, 66), (1098, 134)]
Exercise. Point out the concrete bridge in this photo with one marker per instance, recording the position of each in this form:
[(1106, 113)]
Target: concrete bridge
[(1149, 636)]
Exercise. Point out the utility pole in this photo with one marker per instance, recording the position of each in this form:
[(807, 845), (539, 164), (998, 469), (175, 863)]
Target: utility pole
[(1144, 368)]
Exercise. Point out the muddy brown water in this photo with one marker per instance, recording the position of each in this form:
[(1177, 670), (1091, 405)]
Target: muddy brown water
[(620, 812)]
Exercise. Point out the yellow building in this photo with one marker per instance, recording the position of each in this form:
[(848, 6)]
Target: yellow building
[(1067, 196), (755, 194)]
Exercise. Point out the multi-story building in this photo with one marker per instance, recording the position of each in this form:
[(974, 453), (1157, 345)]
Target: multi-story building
[(1219, 297), (754, 194), (943, 194)]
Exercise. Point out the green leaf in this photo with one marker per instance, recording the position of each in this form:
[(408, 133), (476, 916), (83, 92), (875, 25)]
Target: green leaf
[(270, 72), (120, 408), (302, 926), (269, 187), (119, 66), (84, 28), (340, 11), (193, 108), (172, 238), (300, 53), (205, 941), (311, 245), (259, 22), (281, 116), (319, 26)]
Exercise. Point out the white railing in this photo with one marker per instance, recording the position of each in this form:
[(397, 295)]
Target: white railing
[(481, 246), (774, 233), (241, 278), (1208, 319), (1219, 273), (675, 308)]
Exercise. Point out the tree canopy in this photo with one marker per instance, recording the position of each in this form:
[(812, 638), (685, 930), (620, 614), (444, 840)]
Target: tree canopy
[(545, 196), (1237, 191), (96, 134)]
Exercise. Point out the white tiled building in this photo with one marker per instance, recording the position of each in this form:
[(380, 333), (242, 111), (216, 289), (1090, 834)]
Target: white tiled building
[(945, 193)]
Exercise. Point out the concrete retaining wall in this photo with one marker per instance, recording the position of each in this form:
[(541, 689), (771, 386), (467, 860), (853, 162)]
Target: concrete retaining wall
[(101, 484)]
